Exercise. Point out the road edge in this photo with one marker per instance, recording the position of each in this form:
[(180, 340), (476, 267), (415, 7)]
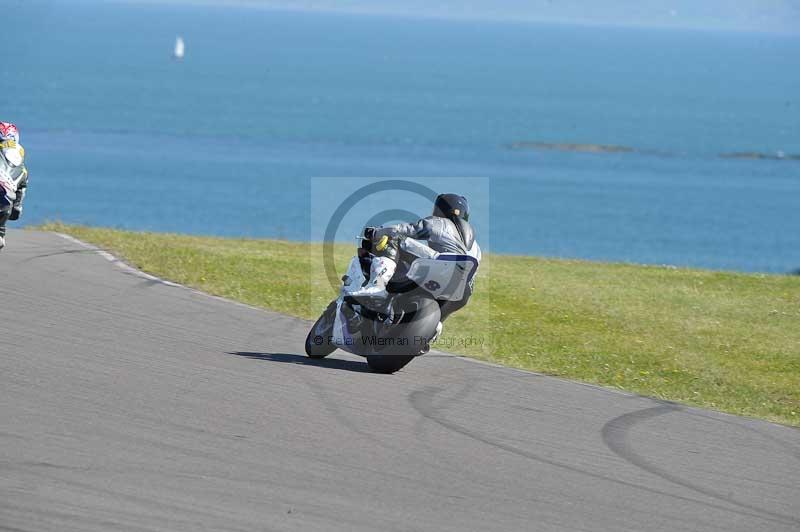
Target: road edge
[(127, 268)]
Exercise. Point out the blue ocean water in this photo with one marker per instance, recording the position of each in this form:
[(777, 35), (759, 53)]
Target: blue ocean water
[(227, 142)]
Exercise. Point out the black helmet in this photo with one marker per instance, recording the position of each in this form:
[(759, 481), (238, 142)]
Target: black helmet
[(451, 206)]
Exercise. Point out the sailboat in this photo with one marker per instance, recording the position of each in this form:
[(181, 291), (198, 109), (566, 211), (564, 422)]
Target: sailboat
[(179, 48)]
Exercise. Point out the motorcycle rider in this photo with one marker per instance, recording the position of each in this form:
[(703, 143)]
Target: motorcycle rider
[(447, 230), (13, 176)]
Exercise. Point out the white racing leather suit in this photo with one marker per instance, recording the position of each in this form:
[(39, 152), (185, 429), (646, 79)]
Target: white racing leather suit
[(13, 184), (427, 237), (441, 234)]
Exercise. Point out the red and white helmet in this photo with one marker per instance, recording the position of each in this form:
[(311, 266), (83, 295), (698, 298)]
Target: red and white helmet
[(8, 131)]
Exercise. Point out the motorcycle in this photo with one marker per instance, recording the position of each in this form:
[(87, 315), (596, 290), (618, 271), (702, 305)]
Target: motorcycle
[(11, 170), (392, 332)]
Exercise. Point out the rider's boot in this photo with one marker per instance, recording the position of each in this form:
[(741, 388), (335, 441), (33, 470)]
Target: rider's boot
[(427, 345), (380, 272), (438, 332)]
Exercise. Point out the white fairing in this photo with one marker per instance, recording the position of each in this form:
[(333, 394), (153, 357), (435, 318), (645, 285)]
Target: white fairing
[(6, 181), (13, 156), (353, 280), (446, 276), (339, 336)]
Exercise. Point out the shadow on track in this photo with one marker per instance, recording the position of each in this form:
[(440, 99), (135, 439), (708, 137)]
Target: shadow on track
[(333, 363)]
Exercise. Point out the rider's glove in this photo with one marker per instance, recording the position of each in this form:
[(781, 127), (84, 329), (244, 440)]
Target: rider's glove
[(15, 213), (380, 232)]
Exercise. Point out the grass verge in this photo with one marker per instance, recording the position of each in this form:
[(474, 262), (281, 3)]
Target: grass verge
[(721, 340)]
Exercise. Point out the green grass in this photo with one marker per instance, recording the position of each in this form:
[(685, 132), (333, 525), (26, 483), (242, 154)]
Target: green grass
[(727, 341)]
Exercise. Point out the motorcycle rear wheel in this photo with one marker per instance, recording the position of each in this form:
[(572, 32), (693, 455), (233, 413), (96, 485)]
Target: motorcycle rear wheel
[(388, 363)]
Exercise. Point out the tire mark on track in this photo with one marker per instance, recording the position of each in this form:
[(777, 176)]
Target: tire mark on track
[(792, 450), (422, 401), (616, 436), (466, 388), (330, 405)]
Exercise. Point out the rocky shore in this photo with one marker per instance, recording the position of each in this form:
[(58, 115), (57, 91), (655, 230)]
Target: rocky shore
[(566, 146)]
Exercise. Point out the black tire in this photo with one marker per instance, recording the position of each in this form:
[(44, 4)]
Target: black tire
[(388, 363), (417, 318), (420, 317), (322, 328)]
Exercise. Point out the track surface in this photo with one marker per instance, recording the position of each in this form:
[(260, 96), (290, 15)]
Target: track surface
[(127, 404)]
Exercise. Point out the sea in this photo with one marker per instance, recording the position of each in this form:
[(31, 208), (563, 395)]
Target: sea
[(275, 120)]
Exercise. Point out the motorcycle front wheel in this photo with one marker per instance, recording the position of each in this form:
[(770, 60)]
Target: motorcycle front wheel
[(317, 345)]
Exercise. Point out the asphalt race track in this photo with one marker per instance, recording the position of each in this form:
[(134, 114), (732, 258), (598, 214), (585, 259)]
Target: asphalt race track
[(129, 404)]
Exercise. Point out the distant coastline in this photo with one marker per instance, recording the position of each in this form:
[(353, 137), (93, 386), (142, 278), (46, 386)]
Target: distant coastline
[(777, 156), (616, 148), (568, 146)]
